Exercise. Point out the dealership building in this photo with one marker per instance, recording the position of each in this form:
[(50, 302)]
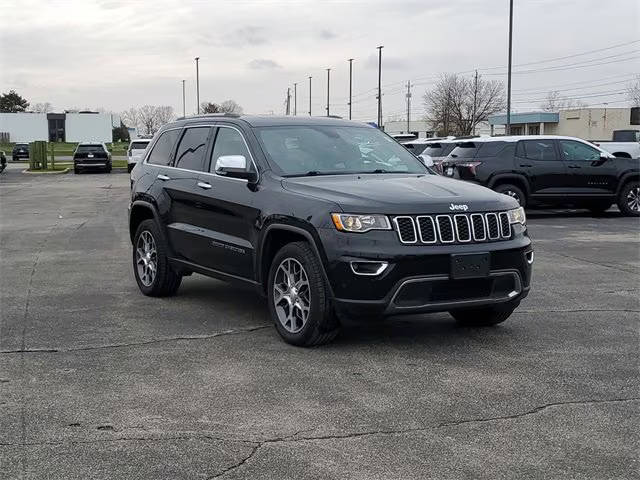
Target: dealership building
[(58, 127)]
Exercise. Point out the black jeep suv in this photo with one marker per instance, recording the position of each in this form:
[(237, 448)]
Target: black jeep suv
[(325, 217), (549, 171), (20, 150)]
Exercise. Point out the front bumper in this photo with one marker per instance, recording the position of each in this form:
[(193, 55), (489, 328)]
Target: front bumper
[(418, 277), (20, 155)]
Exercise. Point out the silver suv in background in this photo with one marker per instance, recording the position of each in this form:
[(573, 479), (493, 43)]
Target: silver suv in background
[(135, 152)]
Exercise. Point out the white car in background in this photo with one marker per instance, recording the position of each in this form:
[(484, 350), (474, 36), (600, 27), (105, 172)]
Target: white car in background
[(135, 152)]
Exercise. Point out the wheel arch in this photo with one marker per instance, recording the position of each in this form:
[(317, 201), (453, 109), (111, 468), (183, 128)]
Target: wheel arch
[(626, 178), (274, 238), (510, 178), (141, 211), (622, 154)]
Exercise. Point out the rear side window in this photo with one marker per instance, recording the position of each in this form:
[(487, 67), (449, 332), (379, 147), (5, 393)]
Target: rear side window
[(539, 149), (465, 150), (138, 145), (162, 150), (190, 154), (90, 148), (490, 149)]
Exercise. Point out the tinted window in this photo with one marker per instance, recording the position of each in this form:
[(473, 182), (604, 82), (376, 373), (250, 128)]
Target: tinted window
[(465, 150), (297, 150), (416, 148), (508, 151), (439, 149), (490, 149), (162, 150), (520, 150), (89, 148), (539, 150), (577, 151), (228, 142), (138, 145), (192, 147)]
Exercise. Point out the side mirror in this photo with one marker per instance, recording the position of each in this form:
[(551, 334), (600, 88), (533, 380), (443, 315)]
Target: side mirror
[(233, 166), (426, 159)]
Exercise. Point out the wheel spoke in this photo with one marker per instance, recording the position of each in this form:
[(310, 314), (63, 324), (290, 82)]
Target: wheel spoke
[(291, 295)]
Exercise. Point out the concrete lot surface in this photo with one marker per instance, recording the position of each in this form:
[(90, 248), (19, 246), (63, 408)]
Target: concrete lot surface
[(98, 381)]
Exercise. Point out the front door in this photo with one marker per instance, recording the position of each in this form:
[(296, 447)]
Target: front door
[(540, 162), (591, 173), (226, 213)]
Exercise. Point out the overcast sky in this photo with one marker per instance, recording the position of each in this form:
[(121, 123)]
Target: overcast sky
[(114, 55)]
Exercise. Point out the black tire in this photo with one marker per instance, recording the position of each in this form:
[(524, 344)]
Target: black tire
[(108, 169), (76, 170), (628, 193), (484, 316), (600, 208), (130, 167), (512, 191), (322, 324), (166, 281)]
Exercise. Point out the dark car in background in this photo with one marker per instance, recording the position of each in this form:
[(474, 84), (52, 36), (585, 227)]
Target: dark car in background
[(549, 171), (20, 150), (439, 150), (91, 156)]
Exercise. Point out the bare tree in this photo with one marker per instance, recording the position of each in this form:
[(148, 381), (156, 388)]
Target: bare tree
[(555, 102), (164, 114), (457, 104), (45, 107), (228, 106), (148, 119), (131, 117), (633, 92)]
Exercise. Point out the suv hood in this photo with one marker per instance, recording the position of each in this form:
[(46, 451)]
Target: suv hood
[(399, 193)]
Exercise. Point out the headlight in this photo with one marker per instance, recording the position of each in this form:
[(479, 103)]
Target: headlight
[(347, 222), (517, 216)]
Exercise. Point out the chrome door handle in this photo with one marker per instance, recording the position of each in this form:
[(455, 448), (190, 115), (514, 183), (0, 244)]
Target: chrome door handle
[(163, 177), (204, 185)]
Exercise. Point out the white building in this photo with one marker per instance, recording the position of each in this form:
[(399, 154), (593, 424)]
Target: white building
[(424, 129), (59, 127)]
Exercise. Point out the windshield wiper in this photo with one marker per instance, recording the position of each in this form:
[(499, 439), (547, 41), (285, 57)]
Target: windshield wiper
[(313, 173)]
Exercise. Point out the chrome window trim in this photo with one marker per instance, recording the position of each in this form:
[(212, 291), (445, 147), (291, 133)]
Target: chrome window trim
[(453, 231), (413, 224), (433, 225), (473, 228), (455, 224), (507, 234), (210, 125), (497, 224)]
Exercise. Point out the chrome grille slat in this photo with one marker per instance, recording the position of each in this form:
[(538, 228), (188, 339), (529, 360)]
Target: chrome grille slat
[(452, 228)]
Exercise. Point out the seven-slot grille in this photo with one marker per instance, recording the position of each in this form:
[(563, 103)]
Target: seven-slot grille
[(458, 228)]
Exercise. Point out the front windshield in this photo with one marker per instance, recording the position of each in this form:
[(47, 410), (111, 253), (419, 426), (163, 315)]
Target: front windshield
[(334, 150)]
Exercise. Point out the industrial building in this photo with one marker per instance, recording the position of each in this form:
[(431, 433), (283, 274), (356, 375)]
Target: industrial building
[(585, 123), (58, 127)]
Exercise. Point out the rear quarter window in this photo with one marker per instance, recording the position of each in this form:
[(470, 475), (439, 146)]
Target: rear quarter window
[(465, 150), (490, 149), (138, 145)]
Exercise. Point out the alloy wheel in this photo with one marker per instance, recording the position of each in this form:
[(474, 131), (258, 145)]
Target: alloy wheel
[(633, 199), (512, 194), (146, 258), (291, 295)]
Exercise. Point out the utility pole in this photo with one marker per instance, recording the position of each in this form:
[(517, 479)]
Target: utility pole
[(475, 99), (508, 130), (198, 85), (184, 114), (380, 86), (350, 84), (288, 101), (310, 95), (295, 99), (328, 82), (409, 106)]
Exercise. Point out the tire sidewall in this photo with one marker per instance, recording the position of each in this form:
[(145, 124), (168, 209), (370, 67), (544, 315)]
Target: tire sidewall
[(317, 292), (507, 186), (622, 200), (151, 227)]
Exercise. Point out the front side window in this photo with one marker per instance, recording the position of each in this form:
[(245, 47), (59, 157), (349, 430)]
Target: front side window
[(162, 150), (192, 147), (539, 150), (229, 142), (332, 150), (577, 151)]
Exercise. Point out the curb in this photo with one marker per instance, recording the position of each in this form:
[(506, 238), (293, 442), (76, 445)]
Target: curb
[(37, 172)]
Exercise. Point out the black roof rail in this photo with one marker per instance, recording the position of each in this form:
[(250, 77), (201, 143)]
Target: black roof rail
[(208, 115), (334, 116)]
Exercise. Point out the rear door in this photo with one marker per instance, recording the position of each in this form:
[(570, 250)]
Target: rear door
[(226, 211), (590, 173), (539, 161)]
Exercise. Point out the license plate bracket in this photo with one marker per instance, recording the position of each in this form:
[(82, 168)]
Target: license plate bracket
[(470, 265)]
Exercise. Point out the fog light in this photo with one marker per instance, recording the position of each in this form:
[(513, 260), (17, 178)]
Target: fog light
[(368, 267), (529, 256)]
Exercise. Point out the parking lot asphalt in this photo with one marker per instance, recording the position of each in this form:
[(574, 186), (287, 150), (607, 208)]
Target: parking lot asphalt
[(99, 381)]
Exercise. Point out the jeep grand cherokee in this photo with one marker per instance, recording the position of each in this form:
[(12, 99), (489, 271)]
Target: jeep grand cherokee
[(325, 217)]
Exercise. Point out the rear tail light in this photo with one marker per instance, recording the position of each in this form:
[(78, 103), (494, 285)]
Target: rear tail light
[(470, 165)]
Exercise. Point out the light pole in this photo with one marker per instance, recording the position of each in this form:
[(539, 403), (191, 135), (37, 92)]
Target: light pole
[(310, 95), (198, 85), (380, 86), (328, 80), (295, 99), (508, 131), (184, 111), (350, 84)]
